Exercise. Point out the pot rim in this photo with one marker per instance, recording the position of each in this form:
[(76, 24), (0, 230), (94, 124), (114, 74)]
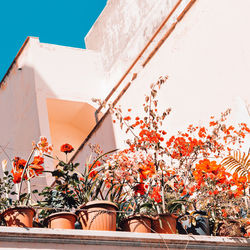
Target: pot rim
[(51, 216), (16, 208), (98, 202), (163, 214), (136, 216)]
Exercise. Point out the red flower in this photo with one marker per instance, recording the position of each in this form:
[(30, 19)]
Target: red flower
[(127, 118), (66, 148), (139, 189), (216, 191), (16, 176), (156, 195)]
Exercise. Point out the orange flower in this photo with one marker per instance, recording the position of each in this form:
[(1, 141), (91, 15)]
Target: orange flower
[(38, 160), (92, 172), (127, 118), (16, 176), (156, 195), (36, 168), (17, 169), (224, 213), (146, 170), (216, 192), (66, 148), (44, 146)]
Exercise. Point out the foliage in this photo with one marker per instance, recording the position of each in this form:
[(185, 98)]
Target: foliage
[(11, 193), (160, 172), (72, 188), (238, 162), (62, 195)]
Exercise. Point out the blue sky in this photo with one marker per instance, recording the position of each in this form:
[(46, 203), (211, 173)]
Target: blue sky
[(63, 22)]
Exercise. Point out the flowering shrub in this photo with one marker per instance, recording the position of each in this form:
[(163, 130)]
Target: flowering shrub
[(150, 185), (168, 173)]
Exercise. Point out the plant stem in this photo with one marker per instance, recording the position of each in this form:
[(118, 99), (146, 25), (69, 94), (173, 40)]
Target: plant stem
[(29, 189), (162, 194), (4, 167), (24, 170)]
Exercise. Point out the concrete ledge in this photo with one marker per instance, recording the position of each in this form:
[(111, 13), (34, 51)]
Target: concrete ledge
[(41, 238)]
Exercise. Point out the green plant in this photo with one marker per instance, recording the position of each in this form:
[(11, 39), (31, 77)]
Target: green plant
[(62, 195), (72, 188)]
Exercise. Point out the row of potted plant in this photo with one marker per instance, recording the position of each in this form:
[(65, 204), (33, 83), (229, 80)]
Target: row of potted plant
[(194, 181)]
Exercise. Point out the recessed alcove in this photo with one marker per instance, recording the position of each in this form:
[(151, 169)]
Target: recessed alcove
[(69, 122)]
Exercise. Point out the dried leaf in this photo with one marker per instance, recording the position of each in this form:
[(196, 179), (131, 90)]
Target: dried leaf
[(153, 93)]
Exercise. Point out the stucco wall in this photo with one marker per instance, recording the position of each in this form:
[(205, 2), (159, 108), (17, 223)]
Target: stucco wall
[(49, 72), (47, 239), (104, 137), (18, 111), (122, 30), (207, 59)]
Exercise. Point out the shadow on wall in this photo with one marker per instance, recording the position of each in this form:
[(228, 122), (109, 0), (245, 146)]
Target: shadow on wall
[(34, 110), (67, 119)]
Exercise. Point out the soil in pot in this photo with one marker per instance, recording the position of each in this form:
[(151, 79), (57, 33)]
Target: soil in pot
[(164, 224), (98, 215), (138, 224), (18, 216), (196, 223), (61, 220)]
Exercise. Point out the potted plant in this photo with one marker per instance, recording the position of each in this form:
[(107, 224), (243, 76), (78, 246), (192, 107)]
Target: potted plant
[(147, 161), (187, 149), (59, 199), (19, 212), (97, 198)]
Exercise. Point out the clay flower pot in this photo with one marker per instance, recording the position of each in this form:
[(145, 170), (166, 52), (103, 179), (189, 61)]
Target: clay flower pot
[(61, 220), (137, 223), (230, 228), (98, 215), (18, 216), (164, 224), (247, 228)]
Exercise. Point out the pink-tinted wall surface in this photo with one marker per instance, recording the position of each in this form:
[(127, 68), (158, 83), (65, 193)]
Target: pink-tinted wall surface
[(207, 59)]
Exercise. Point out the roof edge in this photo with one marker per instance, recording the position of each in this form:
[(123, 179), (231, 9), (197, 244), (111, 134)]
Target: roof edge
[(16, 57)]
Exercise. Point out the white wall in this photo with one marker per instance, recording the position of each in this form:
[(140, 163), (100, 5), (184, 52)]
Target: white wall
[(49, 72), (18, 111), (122, 31), (207, 59)]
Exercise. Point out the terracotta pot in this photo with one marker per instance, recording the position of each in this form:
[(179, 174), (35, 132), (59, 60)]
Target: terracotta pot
[(19, 216), (247, 228), (230, 228), (61, 220), (164, 224), (137, 223), (98, 215)]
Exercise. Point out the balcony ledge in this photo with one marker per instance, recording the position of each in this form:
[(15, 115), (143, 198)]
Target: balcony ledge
[(42, 238)]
